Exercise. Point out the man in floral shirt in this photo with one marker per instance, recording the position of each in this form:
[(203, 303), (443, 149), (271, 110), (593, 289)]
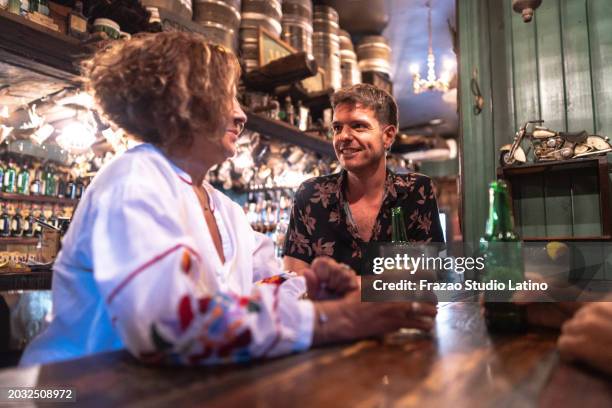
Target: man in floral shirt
[(332, 215)]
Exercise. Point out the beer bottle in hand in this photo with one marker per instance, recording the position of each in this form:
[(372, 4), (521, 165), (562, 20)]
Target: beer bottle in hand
[(501, 247)]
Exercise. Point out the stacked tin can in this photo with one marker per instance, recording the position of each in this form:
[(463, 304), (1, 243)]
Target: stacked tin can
[(256, 15), (219, 19), (374, 54), (326, 44), (351, 74), (182, 8), (297, 24)]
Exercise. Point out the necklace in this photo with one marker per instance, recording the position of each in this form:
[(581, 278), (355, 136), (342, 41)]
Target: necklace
[(203, 198)]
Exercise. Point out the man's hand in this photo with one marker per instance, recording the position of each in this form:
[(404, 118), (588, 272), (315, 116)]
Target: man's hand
[(349, 319), (587, 337), (328, 279)]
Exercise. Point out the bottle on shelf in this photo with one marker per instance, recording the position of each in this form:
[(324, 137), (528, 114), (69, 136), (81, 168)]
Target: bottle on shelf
[(49, 178), (70, 189), (80, 188), (61, 185), (23, 180), (77, 22), (36, 185), (40, 6), (10, 178), (53, 217), (17, 223), (28, 223), (2, 171), (289, 111), (41, 217), (14, 6), (5, 222), (24, 7)]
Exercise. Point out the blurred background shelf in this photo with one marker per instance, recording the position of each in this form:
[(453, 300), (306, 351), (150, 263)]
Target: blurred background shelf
[(18, 240), (37, 199), (286, 133), (40, 280)]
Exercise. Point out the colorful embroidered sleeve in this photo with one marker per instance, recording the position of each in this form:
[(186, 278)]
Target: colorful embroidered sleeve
[(161, 300)]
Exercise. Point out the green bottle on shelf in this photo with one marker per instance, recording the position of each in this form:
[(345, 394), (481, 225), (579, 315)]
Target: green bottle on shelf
[(23, 180), (14, 6), (49, 182), (502, 249), (10, 179), (2, 170)]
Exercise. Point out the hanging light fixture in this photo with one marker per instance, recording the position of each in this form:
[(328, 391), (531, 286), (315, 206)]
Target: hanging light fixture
[(431, 83), (78, 136)]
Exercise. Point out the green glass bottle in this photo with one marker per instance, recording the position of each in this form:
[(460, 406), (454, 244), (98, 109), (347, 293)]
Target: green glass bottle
[(398, 225), (49, 182), (23, 180), (502, 249), (10, 179), (14, 6), (2, 170)]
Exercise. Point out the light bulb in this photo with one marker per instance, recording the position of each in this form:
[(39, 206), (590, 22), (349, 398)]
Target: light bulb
[(76, 137), (449, 64)]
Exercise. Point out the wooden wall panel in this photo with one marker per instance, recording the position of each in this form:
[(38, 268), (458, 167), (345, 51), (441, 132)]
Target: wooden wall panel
[(550, 65), (577, 65), (599, 13), (558, 204), (526, 78), (557, 68)]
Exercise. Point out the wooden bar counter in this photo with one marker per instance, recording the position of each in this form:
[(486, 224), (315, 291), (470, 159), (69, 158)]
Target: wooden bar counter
[(459, 366)]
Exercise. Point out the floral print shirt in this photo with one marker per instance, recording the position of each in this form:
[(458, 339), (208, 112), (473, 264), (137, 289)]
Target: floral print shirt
[(321, 223)]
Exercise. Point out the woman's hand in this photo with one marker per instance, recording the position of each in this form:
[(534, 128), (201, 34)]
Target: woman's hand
[(328, 279), (350, 319), (587, 337)]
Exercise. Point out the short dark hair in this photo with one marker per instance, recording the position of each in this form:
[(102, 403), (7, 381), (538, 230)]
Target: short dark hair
[(369, 96), (164, 88)]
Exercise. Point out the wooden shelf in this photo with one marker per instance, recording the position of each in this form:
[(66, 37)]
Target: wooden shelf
[(562, 200), (36, 48), (286, 133), (33, 48), (40, 280), (37, 199), (539, 167), (19, 240)]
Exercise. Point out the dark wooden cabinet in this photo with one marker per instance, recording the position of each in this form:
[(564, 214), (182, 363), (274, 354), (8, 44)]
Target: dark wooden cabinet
[(564, 201)]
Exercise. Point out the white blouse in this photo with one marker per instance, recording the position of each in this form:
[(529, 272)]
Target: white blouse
[(139, 270)]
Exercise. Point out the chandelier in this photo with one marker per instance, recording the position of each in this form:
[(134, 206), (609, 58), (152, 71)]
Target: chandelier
[(431, 83)]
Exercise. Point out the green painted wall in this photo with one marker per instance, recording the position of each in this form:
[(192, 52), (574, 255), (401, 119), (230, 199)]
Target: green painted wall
[(557, 68)]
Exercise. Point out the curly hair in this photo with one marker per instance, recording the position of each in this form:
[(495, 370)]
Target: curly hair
[(371, 97), (164, 88)]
